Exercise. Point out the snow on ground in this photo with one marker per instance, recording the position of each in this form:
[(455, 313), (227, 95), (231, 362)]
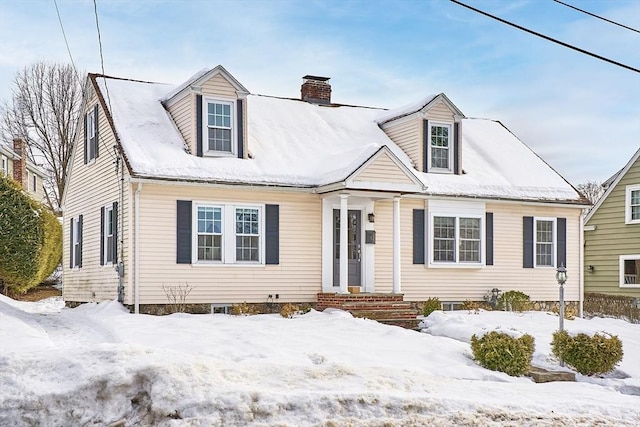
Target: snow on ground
[(97, 364)]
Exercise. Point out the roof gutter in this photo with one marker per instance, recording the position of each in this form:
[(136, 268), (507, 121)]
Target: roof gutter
[(218, 184)]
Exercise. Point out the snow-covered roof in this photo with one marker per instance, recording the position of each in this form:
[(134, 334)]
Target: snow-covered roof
[(414, 107), (295, 143)]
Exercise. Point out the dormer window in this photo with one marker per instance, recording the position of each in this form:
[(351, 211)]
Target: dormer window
[(440, 147), (219, 131)]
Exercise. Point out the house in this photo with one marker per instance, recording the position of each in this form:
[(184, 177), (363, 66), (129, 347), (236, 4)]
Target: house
[(243, 198), (612, 236), (15, 165)]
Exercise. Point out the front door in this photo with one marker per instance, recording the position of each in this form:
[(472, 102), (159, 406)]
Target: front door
[(354, 247)]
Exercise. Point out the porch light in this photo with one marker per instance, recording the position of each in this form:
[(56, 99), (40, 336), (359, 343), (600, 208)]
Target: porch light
[(371, 217)]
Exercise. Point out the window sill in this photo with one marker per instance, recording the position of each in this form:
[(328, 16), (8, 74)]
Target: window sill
[(632, 222), (439, 170), (222, 264), (219, 154), (456, 265), (622, 285)]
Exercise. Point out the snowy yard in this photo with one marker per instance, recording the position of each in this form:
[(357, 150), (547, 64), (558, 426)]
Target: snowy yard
[(98, 364)]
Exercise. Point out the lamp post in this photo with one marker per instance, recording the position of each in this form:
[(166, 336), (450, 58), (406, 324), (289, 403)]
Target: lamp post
[(561, 277)]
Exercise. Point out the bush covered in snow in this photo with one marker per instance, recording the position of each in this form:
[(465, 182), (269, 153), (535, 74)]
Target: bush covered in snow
[(30, 239), (589, 355), (499, 351)]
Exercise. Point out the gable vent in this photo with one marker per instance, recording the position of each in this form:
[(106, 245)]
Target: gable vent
[(316, 89)]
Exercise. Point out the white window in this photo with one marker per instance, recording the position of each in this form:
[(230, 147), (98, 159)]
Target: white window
[(457, 233), (632, 204), (219, 134), (545, 242), (92, 135), (109, 233), (440, 147), (630, 271), (35, 182), (4, 165), (75, 242), (228, 234)]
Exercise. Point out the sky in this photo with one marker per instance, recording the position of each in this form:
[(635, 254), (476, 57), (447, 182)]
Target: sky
[(97, 364), (579, 113)]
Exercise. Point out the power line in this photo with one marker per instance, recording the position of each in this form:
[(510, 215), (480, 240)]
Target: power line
[(597, 16), (548, 38), (64, 35)]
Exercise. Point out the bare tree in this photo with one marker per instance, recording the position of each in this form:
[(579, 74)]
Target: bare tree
[(44, 109), (592, 190)]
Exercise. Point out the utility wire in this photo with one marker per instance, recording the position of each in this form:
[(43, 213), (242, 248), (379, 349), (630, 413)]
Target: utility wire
[(597, 16), (106, 86), (548, 38), (66, 42)]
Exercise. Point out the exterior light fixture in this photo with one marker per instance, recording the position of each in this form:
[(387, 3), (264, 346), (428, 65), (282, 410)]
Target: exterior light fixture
[(371, 217)]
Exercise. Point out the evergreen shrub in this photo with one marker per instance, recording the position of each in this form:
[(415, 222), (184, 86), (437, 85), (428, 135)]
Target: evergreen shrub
[(594, 355), (501, 352), (431, 305), (30, 239), (514, 301)]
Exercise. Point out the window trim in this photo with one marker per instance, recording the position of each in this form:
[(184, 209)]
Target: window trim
[(34, 178), (205, 127), (91, 121), (108, 211), (228, 234), (554, 243), (627, 204), (4, 165), (439, 208), (450, 150), (622, 259)]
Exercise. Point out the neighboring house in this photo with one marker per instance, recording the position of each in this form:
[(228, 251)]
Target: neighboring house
[(243, 198), (15, 165), (612, 236)]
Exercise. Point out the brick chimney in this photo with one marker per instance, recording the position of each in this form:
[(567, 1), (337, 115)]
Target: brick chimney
[(20, 166), (316, 90)]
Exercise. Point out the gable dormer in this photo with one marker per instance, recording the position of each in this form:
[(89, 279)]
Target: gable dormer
[(210, 110), (430, 132)]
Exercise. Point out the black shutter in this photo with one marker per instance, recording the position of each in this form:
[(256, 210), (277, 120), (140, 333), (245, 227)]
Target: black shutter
[(183, 227), (425, 142), (86, 141), (240, 131), (102, 235), (79, 252), (115, 232), (418, 236), (527, 241), (272, 234), (456, 148), (71, 244), (489, 236), (561, 229), (199, 125), (95, 122)]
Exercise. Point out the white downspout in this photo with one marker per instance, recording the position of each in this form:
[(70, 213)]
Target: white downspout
[(136, 277), (581, 264), (396, 245)]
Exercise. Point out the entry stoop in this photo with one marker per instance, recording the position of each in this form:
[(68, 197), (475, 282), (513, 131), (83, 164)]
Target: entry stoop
[(389, 309)]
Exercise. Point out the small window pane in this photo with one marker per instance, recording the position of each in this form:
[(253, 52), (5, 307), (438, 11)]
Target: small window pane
[(444, 233)]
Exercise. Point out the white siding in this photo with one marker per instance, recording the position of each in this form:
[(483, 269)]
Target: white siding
[(458, 284), (90, 187), (296, 278)]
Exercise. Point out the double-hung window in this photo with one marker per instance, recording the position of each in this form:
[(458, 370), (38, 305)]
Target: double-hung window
[(109, 233), (35, 182), (219, 127), (4, 171), (228, 234), (632, 204), (209, 234), (440, 147), (544, 244), (76, 242), (457, 233), (91, 134)]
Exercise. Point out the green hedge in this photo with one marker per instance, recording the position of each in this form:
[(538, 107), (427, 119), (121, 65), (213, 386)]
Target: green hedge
[(598, 354), (514, 301), (501, 352), (431, 305), (30, 239)]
